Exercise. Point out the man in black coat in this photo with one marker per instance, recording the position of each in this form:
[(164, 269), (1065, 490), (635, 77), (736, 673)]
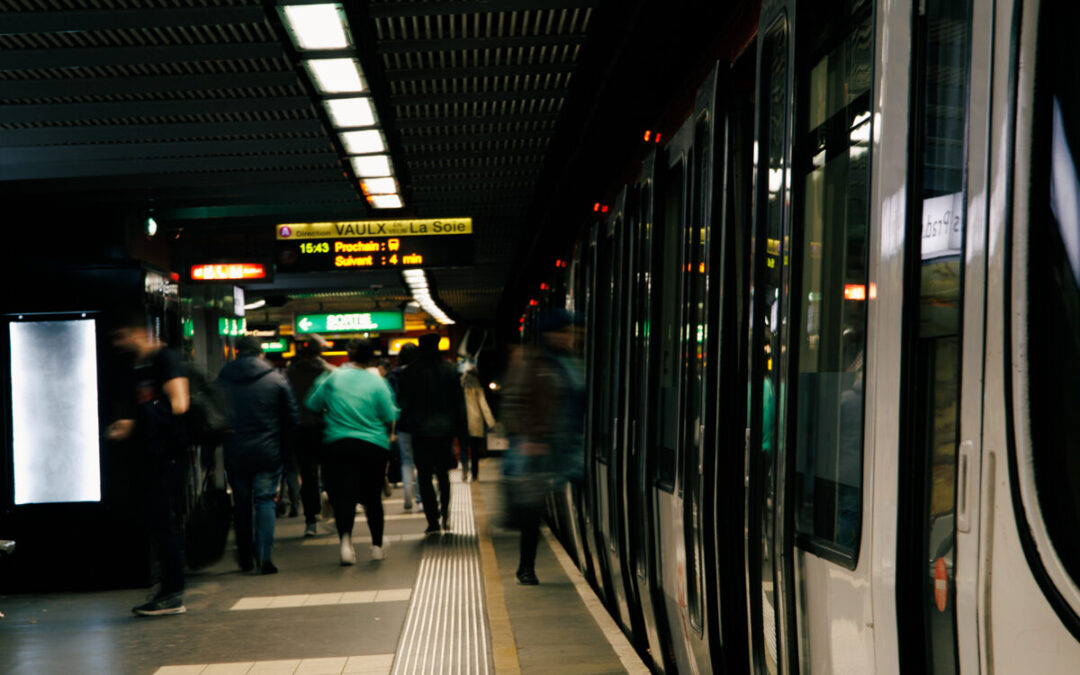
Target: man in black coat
[(264, 418), (430, 396)]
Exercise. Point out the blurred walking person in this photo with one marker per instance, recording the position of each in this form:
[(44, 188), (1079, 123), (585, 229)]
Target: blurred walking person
[(480, 420), (359, 411), (154, 417), (307, 367), (264, 419), (431, 397), (544, 410)]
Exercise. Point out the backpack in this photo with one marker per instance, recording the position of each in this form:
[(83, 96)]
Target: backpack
[(208, 411)]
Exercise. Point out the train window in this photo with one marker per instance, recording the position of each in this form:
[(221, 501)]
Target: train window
[(835, 170), (1053, 273), (666, 427)]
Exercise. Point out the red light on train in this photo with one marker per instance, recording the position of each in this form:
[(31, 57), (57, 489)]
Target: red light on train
[(603, 209), (534, 303), (596, 207), (854, 292), (543, 287), (657, 137), (647, 134)]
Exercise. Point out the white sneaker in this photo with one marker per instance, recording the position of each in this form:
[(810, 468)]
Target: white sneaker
[(348, 555), (377, 553)]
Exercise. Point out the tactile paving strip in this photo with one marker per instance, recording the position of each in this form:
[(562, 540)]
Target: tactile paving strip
[(446, 627)]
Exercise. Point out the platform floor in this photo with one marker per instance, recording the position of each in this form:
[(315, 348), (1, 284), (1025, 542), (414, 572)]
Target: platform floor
[(465, 614)]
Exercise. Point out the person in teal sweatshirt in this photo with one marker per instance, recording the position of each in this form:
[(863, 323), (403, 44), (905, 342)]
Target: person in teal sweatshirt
[(359, 410)]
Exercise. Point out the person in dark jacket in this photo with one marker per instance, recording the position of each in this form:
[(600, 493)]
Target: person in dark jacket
[(404, 436), (431, 398), (264, 418), (303, 371)]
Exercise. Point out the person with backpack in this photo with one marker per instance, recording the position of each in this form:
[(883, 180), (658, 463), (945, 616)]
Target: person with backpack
[(264, 420)]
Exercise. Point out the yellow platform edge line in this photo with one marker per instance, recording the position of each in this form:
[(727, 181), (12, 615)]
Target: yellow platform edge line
[(503, 645)]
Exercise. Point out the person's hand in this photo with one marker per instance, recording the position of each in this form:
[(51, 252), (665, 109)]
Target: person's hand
[(120, 430), (393, 438)]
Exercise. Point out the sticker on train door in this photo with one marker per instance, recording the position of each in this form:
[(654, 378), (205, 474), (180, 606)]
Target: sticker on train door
[(941, 584)]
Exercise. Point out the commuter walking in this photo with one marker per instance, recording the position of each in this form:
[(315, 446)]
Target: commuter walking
[(359, 411), (480, 420), (408, 354), (154, 417), (431, 396), (544, 407), (307, 367), (264, 420)]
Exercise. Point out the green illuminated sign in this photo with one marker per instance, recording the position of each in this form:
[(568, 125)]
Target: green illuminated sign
[(189, 328), (279, 346), (345, 323), (231, 327)]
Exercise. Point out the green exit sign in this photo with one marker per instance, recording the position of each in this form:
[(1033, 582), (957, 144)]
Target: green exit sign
[(231, 327), (348, 323), (279, 346)]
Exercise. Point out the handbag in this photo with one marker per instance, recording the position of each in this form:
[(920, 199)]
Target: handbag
[(208, 521), (497, 439), (524, 497)]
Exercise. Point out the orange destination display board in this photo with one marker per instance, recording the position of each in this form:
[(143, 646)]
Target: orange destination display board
[(374, 244), (229, 272)]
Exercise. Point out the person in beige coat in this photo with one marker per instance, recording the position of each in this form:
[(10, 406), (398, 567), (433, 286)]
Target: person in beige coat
[(480, 420)]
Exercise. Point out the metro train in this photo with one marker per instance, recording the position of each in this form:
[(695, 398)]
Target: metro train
[(833, 352)]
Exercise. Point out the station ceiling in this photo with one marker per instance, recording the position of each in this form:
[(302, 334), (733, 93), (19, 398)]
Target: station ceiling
[(202, 110)]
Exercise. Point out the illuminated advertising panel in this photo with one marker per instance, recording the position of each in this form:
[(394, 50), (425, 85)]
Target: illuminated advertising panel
[(349, 322), (375, 244), (232, 327), (54, 372), (279, 346), (238, 271)]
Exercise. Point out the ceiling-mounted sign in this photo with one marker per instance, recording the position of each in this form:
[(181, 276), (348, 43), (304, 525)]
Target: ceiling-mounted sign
[(374, 244), (232, 327), (359, 229), (230, 272), (349, 322), (279, 346)]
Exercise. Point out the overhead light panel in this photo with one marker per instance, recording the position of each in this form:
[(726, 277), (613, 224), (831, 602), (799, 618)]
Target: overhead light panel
[(413, 274), (336, 76), (386, 202), (379, 186), (372, 166), (363, 142), (317, 26), (351, 112)]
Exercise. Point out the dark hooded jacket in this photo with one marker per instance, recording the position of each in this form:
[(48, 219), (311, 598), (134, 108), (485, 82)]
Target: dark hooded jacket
[(263, 413), (302, 373), (431, 398)]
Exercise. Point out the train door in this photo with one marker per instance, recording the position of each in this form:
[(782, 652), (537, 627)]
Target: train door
[(1028, 590), (684, 498), (941, 404), (599, 271), (808, 595), (642, 375)]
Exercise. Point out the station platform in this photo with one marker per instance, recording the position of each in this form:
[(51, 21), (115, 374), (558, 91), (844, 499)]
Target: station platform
[(446, 603)]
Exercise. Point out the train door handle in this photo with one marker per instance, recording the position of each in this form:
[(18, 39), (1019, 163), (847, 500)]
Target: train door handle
[(963, 483)]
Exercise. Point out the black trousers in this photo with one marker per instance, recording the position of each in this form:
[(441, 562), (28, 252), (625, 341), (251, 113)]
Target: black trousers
[(432, 455), (308, 449), (166, 506), (474, 450), (530, 538), (354, 473)]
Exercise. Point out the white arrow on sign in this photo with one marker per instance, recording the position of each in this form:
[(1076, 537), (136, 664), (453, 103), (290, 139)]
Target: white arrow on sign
[(305, 324)]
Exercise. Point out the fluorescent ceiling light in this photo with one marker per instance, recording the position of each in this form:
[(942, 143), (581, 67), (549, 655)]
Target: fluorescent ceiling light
[(351, 112), (363, 142), (413, 274), (372, 166), (380, 186), (317, 26), (257, 304), (386, 201), (336, 76)]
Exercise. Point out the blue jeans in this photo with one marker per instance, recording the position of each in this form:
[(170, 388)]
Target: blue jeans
[(253, 495), (408, 471)]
